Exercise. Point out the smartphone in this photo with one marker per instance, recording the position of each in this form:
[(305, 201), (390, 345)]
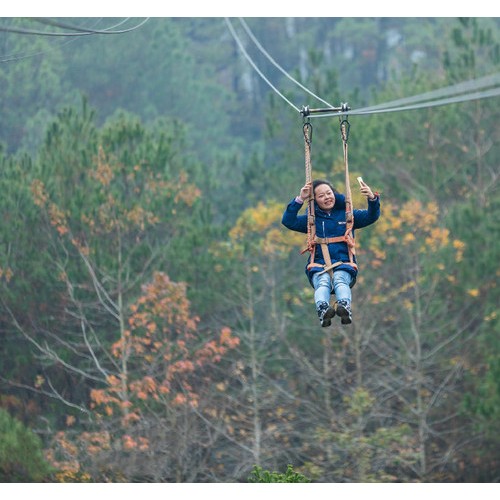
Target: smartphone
[(360, 180)]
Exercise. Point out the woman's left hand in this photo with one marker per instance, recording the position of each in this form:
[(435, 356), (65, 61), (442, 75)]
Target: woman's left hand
[(366, 190)]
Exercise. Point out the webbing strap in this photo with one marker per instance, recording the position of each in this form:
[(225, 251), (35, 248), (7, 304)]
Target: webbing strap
[(349, 215), (328, 262), (311, 221), (336, 239), (328, 267)]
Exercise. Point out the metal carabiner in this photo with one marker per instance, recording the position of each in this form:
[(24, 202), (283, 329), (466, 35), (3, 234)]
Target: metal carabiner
[(308, 131), (344, 129)]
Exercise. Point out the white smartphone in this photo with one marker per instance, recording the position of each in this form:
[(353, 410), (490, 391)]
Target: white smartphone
[(360, 180)]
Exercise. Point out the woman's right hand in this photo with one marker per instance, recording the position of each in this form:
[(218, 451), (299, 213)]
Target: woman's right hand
[(305, 192)]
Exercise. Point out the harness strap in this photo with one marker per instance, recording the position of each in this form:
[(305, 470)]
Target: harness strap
[(312, 239), (311, 220), (337, 239), (349, 216), (328, 262), (328, 267)]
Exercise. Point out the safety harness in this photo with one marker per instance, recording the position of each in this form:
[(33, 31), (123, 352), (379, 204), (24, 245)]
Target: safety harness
[(312, 239)]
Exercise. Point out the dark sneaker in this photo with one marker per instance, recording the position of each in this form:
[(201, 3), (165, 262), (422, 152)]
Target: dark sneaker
[(325, 312), (344, 311)]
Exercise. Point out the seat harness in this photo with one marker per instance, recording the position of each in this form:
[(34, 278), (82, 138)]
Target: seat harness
[(348, 237)]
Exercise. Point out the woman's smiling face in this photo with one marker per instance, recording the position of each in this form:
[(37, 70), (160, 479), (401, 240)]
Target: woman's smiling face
[(324, 197)]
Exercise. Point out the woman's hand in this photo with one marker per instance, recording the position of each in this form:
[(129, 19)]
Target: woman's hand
[(366, 190), (305, 192)]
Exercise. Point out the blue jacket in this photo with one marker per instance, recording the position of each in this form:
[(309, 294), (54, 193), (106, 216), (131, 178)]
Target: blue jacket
[(330, 226)]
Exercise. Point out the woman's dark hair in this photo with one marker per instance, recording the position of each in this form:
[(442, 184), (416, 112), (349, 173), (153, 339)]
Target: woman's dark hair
[(318, 182)]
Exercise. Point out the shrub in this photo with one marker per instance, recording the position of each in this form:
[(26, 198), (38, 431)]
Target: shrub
[(259, 475)]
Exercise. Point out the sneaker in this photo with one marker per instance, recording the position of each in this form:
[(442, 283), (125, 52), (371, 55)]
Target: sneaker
[(325, 312), (344, 311)]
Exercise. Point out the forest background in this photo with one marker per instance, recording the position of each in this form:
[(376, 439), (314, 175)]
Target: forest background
[(156, 323)]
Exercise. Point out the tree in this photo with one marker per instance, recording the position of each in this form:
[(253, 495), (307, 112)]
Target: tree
[(106, 234), (407, 392), (290, 476), (422, 331), (381, 393), (21, 455), (476, 52), (143, 407), (256, 407), (30, 78)]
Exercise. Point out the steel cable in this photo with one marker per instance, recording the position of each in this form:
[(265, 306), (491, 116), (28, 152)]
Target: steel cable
[(256, 42), (80, 31), (430, 99), (249, 59), (25, 55)]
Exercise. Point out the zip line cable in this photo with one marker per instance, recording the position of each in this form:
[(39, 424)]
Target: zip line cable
[(486, 81), (25, 55), (403, 104), (428, 104), (256, 42), (81, 32), (249, 59), (24, 31), (107, 31), (467, 86), (52, 22)]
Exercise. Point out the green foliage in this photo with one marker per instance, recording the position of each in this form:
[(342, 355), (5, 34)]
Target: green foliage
[(362, 452), (475, 47), (180, 160), (260, 475), (38, 87), (21, 455)]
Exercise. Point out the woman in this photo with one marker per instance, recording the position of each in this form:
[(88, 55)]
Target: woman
[(330, 223)]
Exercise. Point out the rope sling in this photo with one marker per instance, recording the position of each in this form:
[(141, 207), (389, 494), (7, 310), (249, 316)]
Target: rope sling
[(312, 239)]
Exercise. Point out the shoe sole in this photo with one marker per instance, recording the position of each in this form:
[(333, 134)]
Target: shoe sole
[(344, 315), (327, 318)]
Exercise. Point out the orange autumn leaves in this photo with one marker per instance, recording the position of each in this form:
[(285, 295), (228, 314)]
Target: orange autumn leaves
[(123, 197), (152, 353), (162, 345), (162, 359)]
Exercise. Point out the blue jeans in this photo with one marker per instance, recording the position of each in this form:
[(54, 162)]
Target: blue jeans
[(323, 286)]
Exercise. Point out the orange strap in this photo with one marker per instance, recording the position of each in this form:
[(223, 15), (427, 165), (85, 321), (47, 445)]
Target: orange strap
[(349, 215), (337, 239), (311, 221)]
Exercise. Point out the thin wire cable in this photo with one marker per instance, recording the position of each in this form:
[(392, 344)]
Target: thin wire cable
[(392, 105), (462, 87), (396, 105), (52, 22), (23, 31), (107, 31), (254, 66), (25, 55), (261, 48), (430, 104)]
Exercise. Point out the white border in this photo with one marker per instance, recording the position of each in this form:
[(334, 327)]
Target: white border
[(254, 8)]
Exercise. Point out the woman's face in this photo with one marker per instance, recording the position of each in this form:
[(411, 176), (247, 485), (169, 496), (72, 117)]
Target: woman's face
[(324, 197)]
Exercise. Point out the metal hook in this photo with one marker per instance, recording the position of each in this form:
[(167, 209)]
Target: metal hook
[(308, 131), (344, 129)]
